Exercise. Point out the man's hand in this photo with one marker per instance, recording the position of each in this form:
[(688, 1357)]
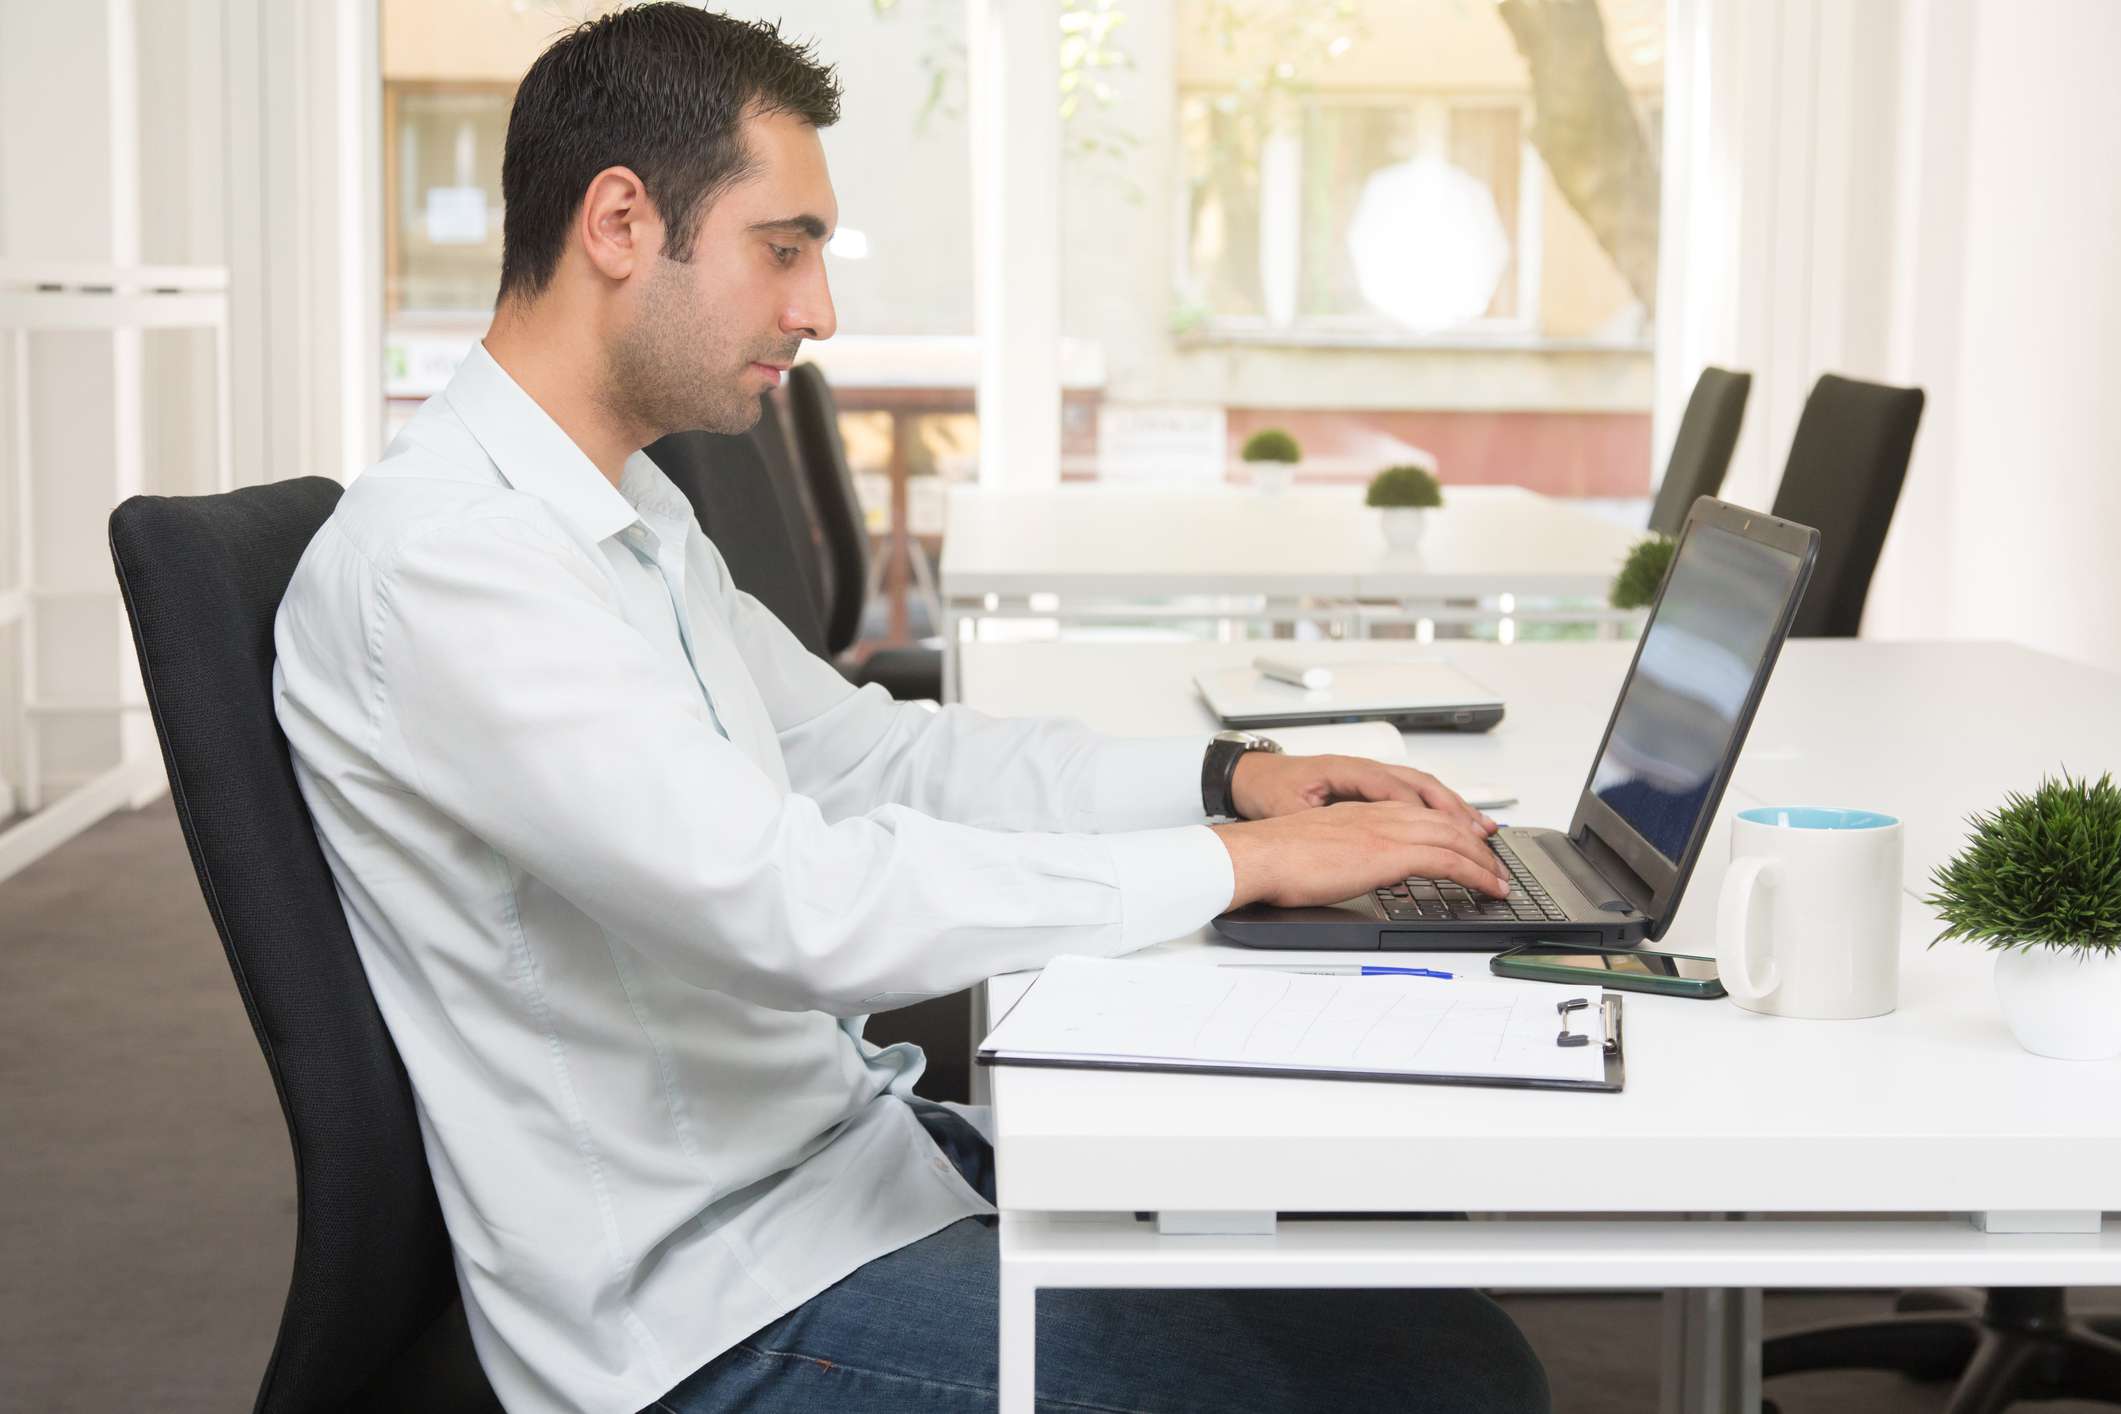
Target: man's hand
[(1267, 785), (1339, 851)]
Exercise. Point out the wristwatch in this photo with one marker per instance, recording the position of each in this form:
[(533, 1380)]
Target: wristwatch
[(1219, 768)]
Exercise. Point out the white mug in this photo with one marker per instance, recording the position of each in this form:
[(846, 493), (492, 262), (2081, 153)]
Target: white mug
[(1809, 921)]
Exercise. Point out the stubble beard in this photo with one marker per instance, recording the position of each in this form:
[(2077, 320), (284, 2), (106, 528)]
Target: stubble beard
[(651, 379)]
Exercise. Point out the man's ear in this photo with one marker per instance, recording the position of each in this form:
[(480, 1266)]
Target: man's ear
[(620, 228)]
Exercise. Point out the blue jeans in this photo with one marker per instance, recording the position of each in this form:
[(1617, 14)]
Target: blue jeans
[(915, 1331)]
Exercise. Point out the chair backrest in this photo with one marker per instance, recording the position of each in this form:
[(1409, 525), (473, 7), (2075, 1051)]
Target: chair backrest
[(202, 578), (1846, 465), (782, 464), (815, 419), (1701, 453), (752, 516)]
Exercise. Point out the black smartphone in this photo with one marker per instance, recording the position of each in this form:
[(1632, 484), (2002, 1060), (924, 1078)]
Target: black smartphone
[(1623, 969)]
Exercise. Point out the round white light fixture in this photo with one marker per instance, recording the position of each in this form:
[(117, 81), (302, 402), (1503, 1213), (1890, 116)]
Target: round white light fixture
[(1427, 244)]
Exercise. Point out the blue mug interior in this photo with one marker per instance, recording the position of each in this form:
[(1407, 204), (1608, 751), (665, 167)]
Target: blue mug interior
[(1816, 817)]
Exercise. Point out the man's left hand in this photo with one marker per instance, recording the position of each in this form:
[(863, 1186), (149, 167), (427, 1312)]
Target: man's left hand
[(1267, 784)]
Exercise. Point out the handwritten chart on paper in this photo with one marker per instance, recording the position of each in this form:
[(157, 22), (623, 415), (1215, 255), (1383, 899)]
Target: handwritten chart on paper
[(1093, 1010)]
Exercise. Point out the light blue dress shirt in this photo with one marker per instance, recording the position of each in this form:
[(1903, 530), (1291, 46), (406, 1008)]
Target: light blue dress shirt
[(626, 868)]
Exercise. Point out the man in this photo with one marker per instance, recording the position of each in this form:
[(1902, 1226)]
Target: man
[(627, 867)]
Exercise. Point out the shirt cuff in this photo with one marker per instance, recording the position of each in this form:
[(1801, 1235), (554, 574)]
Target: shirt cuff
[(1145, 783), (1170, 882)]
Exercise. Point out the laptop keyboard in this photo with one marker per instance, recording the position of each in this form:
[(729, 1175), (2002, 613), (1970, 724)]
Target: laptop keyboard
[(1434, 900)]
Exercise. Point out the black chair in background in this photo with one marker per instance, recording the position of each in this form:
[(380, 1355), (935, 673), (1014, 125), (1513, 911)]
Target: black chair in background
[(753, 516), (372, 1319), (1846, 465), (1701, 453), (777, 444), (909, 674)]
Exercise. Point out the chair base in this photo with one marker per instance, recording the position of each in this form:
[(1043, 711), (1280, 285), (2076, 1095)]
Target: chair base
[(2002, 1346)]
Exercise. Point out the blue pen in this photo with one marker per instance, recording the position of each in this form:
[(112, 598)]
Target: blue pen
[(1345, 971)]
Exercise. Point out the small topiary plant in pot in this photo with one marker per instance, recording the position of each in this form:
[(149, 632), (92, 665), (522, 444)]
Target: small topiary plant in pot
[(1272, 454), (2039, 882), (1642, 573), (1404, 496)]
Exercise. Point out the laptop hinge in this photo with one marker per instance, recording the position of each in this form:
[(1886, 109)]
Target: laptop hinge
[(1619, 877)]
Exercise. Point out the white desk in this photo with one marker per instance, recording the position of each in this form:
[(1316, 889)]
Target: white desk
[(1310, 552), (1918, 1118)]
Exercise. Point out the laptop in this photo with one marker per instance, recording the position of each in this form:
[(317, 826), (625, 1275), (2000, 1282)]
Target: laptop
[(1617, 874), (1412, 694)]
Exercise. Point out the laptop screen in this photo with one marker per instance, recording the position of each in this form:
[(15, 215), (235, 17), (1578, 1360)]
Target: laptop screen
[(1679, 711)]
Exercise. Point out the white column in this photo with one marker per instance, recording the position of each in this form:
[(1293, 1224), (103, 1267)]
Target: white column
[(1015, 125), (304, 196)]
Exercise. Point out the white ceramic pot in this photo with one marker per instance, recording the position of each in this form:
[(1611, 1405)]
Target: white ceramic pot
[(2062, 1002), (1404, 525), (1272, 478)]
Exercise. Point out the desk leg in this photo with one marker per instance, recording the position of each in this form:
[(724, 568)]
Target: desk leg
[(979, 1081), (953, 670), (1017, 1374), (1711, 1352)]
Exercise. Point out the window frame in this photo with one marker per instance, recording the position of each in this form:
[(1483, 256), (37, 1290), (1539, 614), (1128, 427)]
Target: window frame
[(1517, 332)]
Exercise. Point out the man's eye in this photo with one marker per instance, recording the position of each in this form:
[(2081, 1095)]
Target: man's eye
[(785, 253)]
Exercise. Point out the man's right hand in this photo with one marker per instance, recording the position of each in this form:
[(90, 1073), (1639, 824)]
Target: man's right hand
[(1339, 851)]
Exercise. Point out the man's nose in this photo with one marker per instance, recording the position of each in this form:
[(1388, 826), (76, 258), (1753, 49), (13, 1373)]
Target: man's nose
[(811, 315)]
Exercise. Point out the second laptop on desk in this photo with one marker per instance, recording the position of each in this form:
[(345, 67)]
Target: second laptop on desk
[(1413, 694)]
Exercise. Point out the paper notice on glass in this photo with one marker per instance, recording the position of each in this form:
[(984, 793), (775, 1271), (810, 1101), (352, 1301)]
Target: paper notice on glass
[(1182, 1016), (1161, 442), (456, 215)]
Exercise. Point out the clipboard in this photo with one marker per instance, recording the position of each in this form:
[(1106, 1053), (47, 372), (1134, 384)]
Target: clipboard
[(1571, 1031)]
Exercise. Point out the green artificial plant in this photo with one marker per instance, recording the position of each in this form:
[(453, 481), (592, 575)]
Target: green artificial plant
[(2042, 871), (1415, 487), (1642, 573), (1271, 444)]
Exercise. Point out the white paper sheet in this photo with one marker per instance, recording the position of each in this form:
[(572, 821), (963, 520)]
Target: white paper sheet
[(1096, 1009)]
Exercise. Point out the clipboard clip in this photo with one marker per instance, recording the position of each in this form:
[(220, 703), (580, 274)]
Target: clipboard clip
[(1609, 1014), (1568, 1037)]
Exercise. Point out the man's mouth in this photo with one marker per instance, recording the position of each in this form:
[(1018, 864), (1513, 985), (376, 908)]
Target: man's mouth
[(774, 372)]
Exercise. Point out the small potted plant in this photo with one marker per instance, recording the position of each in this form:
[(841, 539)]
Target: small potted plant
[(2039, 882), (1272, 454), (1642, 573), (1404, 496)]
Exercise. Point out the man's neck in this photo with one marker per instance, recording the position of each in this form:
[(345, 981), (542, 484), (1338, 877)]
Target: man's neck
[(562, 376)]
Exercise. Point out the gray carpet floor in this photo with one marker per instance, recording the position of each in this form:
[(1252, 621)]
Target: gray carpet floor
[(147, 1199)]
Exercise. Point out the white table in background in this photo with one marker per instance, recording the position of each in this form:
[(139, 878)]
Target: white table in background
[(1310, 552), (1919, 1119)]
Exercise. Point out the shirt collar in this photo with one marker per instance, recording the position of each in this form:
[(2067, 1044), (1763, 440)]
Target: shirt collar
[(534, 455)]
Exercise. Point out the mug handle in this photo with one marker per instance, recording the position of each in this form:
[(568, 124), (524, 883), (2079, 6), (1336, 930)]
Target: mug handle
[(1734, 935)]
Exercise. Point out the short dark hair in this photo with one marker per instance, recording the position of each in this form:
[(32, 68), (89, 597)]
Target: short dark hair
[(662, 89)]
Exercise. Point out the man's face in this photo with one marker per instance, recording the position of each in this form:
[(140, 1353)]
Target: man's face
[(710, 335)]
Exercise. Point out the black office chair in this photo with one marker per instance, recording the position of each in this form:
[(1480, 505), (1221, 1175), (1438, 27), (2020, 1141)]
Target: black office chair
[(1846, 464), (777, 443), (1701, 453), (753, 517), (2002, 1346), (909, 674), (372, 1319)]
